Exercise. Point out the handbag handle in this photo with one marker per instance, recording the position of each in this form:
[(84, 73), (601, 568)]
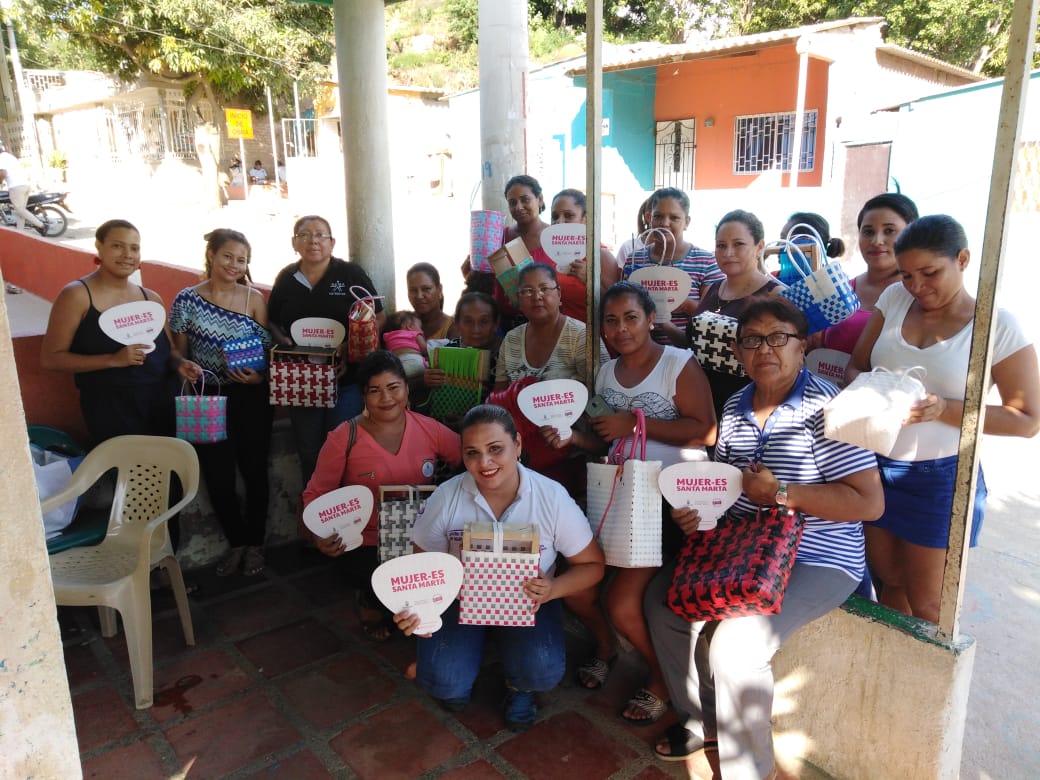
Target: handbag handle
[(202, 388), (665, 234), (617, 455), (368, 299), (790, 247)]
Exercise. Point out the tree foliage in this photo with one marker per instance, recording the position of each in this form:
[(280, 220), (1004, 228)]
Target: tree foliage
[(970, 33), (232, 49)]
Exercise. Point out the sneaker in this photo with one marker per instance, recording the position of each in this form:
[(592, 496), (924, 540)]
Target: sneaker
[(520, 710), (231, 562)]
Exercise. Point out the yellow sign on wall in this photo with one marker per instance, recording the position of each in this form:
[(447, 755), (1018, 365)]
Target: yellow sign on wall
[(239, 123)]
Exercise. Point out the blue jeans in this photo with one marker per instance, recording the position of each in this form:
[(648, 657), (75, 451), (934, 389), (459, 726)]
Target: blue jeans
[(533, 657), (312, 425)]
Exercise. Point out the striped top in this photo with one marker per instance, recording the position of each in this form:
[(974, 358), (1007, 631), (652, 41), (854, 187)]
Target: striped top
[(208, 326), (793, 447)]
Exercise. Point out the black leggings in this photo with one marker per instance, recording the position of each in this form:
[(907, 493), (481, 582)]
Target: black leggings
[(249, 416)]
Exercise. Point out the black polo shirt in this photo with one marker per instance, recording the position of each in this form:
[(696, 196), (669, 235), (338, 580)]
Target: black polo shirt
[(293, 298)]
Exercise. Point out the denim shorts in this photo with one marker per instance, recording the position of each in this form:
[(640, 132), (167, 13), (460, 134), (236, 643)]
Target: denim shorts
[(919, 499)]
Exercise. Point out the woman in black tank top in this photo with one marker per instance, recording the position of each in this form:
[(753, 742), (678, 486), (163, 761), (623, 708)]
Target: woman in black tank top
[(123, 389)]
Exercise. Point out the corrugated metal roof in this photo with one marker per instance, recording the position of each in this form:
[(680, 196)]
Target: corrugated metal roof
[(645, 55), (930, 61)]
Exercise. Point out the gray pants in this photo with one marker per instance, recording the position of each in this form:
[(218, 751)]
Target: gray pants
[(720, 675)]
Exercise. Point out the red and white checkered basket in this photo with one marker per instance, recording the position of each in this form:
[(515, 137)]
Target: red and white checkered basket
[(492, 586), (295, 381)]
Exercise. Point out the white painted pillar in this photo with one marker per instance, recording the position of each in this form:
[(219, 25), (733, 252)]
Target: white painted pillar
[(503, 102), (361, 67), (37, 732), (799, 109)]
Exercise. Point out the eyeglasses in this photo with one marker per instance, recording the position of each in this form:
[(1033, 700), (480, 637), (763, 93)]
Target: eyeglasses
[(773, 340), (543, 290), (313, 236)]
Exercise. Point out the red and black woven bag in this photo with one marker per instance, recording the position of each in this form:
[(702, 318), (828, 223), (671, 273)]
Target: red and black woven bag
[(739, 568)]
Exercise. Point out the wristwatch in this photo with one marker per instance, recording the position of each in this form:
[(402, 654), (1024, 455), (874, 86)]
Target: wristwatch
[(781, 494)]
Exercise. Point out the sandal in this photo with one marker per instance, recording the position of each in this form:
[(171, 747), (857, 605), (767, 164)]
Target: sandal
[(253, 562), (652, 706), (593, 673), (373, 621), (520, 710), (230, 562), (682, 743)]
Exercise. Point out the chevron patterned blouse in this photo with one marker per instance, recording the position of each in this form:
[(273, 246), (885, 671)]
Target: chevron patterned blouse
[(208, 326)]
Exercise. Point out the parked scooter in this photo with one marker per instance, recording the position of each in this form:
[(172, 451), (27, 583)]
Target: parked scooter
[(43, 205)]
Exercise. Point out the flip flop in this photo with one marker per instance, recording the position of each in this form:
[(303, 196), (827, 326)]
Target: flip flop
[(253, 562), (593, 673), (653, 706), (682, 743)]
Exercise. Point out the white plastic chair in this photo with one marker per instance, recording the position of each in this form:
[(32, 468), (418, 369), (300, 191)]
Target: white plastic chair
[(114, 575)]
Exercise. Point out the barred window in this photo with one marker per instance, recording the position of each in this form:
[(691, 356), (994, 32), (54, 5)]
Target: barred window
[(764, 142)]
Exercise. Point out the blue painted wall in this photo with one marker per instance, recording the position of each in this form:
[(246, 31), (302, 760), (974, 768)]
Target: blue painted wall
[(628, 102)]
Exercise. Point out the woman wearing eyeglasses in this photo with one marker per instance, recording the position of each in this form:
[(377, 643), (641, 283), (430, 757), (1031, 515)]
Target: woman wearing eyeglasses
[(317, 285), (550, 345), (773, 431)]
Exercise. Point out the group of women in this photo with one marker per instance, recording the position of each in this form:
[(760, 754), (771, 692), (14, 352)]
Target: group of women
[(892, 512)]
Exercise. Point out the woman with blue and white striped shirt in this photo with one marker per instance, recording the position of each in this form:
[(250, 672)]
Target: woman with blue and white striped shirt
[(773, 431)]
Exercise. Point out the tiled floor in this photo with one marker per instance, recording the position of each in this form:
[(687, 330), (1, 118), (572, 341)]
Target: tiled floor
[(283, 683)]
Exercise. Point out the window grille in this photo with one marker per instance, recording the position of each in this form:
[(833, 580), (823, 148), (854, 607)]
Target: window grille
[(299, 138), (674, 155), (764, 142)]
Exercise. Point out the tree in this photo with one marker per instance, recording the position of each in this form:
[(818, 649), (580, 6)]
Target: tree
[(970, 33), (228, 50)]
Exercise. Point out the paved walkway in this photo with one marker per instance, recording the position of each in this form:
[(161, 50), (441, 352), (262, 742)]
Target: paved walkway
[(282, 683)]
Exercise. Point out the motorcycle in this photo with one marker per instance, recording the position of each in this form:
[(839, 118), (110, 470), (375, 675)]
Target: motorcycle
[(43, 205)]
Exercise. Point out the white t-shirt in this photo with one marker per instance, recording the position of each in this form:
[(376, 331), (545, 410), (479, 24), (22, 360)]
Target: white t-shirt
[(540, 501), (631, 245), (15, 175), (655, 395), (946, 364)]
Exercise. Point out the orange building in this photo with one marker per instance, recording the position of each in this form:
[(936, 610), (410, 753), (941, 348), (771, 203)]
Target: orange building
[(725, 117)]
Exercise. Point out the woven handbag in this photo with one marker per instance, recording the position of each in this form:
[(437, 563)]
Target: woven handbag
[(201, 418), (362, 328), (870, 411), (624, 503), (399, 506), (245, 353), (825, 295), (465, 371), (497, 559), (711, 339), (507, 262), (740, 568), (303, 376)]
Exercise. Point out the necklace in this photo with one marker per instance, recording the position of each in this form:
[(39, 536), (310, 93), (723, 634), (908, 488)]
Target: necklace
[(723, 302)]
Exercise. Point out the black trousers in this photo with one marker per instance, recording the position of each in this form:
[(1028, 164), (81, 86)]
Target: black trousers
[(249, 416)]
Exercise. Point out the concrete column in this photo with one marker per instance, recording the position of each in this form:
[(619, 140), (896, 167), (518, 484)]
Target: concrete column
[(503, 104), (37, 732), (361, 67)]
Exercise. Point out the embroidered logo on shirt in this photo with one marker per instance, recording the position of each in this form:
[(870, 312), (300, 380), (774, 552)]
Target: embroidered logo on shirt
[(338, 288)]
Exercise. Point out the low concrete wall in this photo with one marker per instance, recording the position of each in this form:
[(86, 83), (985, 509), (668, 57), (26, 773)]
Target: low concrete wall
[(864, 693), (50, 397)]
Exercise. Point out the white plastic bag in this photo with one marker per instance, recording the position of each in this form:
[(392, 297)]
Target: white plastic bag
[(870, 411), (53, 472)]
